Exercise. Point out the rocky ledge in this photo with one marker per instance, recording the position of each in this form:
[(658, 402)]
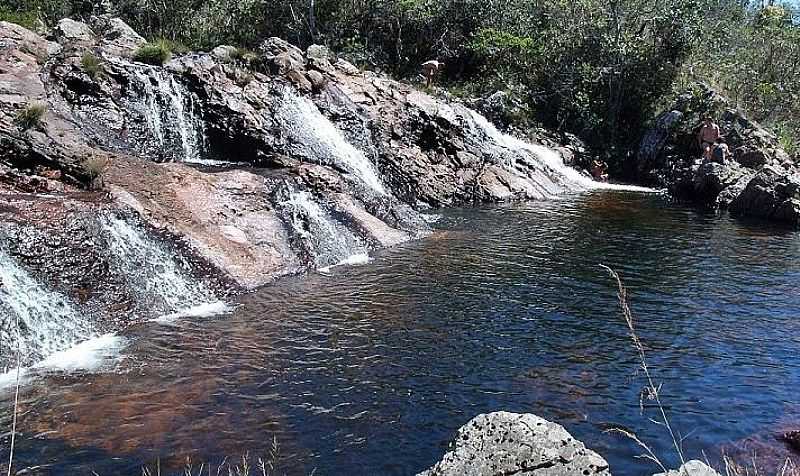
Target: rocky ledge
[(232, 167), (504, 443), (760, 181)]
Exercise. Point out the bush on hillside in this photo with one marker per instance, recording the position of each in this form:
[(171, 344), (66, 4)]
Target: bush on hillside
[(32, 116), (156, 53), (91, 65)]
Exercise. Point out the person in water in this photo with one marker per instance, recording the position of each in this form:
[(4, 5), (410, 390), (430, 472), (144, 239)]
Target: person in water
[(721, 151), (707, 136), (599, 170), (430, 69)]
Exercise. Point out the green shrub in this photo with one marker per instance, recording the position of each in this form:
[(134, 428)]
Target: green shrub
[(243, 55), (31, 116), (91, 64), (94, 168), (156, 53), (27, 18)]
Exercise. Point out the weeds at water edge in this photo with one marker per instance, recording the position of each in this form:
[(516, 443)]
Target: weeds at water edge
[(242, 467), (753, 468)]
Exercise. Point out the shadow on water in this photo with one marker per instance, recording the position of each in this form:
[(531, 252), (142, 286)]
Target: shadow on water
[(375, 367)]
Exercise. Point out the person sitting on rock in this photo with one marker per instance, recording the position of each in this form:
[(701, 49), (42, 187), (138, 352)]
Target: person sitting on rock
[(707, 136), (599, 170), (430, 69), (721, 151)]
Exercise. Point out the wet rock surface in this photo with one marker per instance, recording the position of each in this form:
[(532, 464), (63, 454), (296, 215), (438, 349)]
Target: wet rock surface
[(511, 443), (669, 156), (235, 169)]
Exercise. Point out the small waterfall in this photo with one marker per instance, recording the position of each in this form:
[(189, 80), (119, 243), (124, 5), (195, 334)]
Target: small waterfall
[(172, 113), (553, 173), (155, 275), (48, 322), (315, 137), (330, 242)]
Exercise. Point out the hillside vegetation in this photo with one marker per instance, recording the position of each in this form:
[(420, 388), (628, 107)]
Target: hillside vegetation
[(598, 68)]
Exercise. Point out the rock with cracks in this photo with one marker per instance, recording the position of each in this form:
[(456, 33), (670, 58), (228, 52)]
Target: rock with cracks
[(510, 443)]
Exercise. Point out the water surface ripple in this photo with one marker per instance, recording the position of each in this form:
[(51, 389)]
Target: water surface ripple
[(371, 369)]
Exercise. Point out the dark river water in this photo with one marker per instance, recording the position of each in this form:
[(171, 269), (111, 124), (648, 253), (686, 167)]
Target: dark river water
[(371, 369)]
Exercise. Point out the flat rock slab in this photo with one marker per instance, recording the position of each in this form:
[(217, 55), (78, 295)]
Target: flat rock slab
[(504, 443)]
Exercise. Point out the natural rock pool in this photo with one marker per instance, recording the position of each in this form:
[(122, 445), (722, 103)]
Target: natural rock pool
[(371, 369)]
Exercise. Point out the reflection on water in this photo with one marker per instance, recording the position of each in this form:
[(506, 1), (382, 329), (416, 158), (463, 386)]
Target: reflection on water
[(372, 369)]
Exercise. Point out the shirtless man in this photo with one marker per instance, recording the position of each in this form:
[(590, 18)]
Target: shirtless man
[(430, 69), (707, 137)]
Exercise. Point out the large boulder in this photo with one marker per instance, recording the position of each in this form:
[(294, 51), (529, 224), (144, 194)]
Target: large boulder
[(72, 32), (691, 468), (712, 178), (118, 38), (773, 193), (512, 443)]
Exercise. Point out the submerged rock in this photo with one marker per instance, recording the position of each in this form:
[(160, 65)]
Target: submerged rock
[(511, 443), (792, 438)]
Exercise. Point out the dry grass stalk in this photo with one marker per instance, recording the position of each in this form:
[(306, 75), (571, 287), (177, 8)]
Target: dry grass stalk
[(652, 390)]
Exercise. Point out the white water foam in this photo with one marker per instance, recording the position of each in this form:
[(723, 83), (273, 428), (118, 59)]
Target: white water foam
[(320, 138), (90, 356), (203, 310), (354, 260), (573, 179)]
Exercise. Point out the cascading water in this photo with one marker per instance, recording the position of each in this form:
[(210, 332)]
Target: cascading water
[(172, 113), (156, 276), (331, 242), (33, 319), (315, 137), (553, 176)]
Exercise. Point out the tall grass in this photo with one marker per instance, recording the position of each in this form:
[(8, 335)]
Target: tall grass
[(32, 116), (241, 467)]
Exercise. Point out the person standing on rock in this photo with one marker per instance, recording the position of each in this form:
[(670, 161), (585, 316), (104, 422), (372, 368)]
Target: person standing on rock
[(430, 69), (707, 137)]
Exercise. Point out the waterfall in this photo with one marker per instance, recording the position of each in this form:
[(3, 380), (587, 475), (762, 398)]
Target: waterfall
[(172, 113), (554, 174), (46, 321), (329, 241), (315, 137), (155, 275)]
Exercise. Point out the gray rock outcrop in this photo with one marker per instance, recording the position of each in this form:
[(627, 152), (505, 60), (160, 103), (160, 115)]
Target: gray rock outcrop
[(511, 443), (772, 194), (691, 468), (668, 156)]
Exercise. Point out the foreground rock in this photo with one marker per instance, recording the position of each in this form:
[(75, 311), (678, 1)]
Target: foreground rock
[(511, 443), (691, 468), (669, 156)]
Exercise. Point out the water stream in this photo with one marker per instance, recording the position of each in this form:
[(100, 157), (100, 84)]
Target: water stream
[(35, 321), (371, 369)]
